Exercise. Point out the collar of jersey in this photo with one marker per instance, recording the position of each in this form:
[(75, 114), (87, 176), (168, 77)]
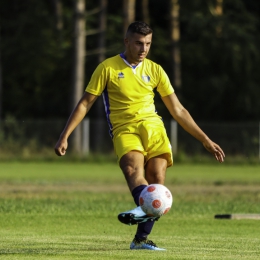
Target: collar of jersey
[(122, 55)]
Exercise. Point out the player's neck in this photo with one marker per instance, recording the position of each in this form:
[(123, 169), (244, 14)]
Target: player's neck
[(132, 63)]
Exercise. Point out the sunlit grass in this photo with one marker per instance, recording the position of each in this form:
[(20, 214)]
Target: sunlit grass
[(69, 211)]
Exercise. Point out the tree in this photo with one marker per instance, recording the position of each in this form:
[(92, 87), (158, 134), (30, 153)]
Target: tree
[(99, 107), (219, 54), (145, 11), (57, 6), (175, 44), (58, 13), (128, 13), (78, 64), (102, 30), (1, 83), (217, 11)]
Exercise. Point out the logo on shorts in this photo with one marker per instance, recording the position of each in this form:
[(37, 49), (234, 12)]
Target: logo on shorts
[(121, 75), (146, 78)]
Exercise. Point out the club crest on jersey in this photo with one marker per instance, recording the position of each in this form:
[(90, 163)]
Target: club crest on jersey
[(121, 75), (146, 78)]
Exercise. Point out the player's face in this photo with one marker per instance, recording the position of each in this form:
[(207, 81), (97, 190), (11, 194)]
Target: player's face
[(137, 47)]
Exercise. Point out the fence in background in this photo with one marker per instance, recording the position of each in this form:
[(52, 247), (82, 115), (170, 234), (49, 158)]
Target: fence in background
[(234, 138)]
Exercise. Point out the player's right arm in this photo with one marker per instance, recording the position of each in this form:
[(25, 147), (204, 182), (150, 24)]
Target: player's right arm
[(75, 118)]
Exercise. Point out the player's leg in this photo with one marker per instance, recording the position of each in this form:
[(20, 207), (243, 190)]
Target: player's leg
[(131, 155), (132, 165), (130, 152), (149, 142), (155, 169), (158, 158)]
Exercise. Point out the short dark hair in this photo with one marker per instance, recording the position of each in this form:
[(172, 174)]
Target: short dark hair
[(139, 27)]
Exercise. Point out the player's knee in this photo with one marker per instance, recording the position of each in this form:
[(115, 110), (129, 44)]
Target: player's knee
[(128, 170), (154, 177), (156, 165)]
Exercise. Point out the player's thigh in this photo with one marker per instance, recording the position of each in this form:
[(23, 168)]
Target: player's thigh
[(127, 140), (155, 169), (156, 141)]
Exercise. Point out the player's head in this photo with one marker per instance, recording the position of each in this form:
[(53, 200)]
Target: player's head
[(139, 27), (138, 40)]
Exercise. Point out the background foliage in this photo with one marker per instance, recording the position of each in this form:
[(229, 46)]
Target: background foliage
[(220, 73)]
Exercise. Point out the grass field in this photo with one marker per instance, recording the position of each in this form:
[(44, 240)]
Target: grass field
[(69, 211)]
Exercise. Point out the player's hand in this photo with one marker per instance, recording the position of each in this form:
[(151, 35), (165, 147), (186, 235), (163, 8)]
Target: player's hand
[(61, 147), (214, 149)]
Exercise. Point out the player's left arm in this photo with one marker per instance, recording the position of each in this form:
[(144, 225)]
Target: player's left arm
[(183, 117)]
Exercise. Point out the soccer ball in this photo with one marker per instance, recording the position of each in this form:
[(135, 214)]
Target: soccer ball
[(155, 200)]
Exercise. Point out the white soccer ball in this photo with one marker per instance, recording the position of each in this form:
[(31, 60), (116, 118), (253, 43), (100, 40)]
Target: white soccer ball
[(155, 200)]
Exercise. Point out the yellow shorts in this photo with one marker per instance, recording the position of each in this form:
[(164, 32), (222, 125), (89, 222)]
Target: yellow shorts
[(148, 137)]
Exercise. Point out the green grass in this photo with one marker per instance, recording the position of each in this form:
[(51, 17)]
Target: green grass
[(69, 211)]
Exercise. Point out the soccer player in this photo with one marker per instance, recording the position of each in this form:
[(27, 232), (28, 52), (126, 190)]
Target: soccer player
[(126, 82)]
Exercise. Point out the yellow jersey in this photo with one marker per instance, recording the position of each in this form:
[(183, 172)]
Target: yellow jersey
[(128, 91)]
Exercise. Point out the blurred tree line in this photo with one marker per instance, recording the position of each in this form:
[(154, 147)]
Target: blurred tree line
[(218, 46)]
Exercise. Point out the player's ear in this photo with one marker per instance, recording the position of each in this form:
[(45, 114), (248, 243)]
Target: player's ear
[(126, 40)]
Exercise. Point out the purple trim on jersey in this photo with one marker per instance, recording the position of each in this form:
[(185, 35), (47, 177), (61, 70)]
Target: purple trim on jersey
[(107, 110), (122, 55)]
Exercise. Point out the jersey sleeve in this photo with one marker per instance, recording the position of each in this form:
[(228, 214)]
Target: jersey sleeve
[(164, 86), (98, 80)]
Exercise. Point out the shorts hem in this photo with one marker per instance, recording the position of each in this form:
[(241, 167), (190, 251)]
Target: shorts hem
[(169, 158), (127, 151)]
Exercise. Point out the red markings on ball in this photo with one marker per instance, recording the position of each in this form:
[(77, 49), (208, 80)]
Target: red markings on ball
[(151, 188), (141, 201), (168, 194), (156, 204), (166, 210)]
